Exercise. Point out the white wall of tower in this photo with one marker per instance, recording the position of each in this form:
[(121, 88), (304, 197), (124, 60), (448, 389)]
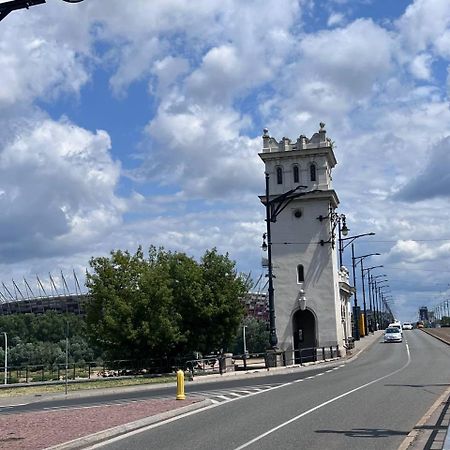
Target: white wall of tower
[(296, 237)]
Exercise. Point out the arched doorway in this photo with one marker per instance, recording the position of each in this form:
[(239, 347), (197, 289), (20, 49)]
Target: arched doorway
[(304, 328)]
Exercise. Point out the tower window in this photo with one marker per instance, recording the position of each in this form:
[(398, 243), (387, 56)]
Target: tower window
[(296, 174), (300, 274), (279, 175), (313, 172)]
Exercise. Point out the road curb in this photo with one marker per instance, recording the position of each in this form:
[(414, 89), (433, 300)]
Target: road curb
[(352, 356), (103, 435), (416, 431), (436, 336)]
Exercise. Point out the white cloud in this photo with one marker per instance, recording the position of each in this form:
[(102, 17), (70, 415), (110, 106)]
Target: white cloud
[(335, 19), (433, 180), (57, 184), (34, 67), (421, 66), (201, 149), (215, 78), (351, 58), (168, 70), (423, 22)]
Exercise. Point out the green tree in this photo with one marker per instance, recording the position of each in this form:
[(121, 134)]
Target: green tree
[(165, 304), (256, 336), (222, 308), (35, 339)]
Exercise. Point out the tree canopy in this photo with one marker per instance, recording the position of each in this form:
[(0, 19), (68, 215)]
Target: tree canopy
[(163, 304), (40, 339)]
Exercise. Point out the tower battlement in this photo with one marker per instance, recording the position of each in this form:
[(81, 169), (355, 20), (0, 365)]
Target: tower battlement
[(317, 140)]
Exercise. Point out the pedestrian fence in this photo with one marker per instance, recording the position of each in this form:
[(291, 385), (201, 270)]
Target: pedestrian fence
[(210, 364), (89, 370), (314, 354), (255, 361)]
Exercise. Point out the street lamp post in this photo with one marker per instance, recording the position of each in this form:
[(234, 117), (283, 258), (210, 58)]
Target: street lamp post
[(355, 299), (350, 239), (371, 302), (67, 359), (274, 207), (364, 295), (380, 297), (6, 356), (375, 296), (354, 264), (273, 339)]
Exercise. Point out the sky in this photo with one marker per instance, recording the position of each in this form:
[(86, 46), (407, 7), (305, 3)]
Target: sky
[(139, 123)]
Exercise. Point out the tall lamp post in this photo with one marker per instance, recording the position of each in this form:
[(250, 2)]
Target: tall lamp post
[(371, 303), (343, 244), (375, 296), (6, 356), (274, 207), (380, 288), (341, 247), (361, 260), (13, 5), (354, 264)]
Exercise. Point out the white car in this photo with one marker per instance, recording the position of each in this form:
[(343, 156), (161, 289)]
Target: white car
[(407, 326), (393, 334), (397, 325)]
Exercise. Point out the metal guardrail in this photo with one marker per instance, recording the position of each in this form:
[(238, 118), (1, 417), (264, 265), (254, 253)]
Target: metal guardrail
[(250, 361), (211, 364), (315, 354), (89, 371)]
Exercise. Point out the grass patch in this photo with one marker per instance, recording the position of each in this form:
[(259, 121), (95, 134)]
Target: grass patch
[(72, 387)]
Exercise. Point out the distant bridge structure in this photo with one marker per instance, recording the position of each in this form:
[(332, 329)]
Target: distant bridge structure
[(40, 297)]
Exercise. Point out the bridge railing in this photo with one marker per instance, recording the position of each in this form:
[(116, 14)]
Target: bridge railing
[(209, 364), (314, 354), (55, 373)]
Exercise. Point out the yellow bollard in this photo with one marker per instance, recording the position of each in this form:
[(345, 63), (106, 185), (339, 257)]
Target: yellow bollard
[(180, 385)]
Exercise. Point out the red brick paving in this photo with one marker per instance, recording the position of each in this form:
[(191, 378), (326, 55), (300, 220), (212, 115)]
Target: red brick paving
[(39, 430)]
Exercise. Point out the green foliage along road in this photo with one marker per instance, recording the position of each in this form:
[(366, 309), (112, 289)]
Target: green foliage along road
[(40, 339), (163, 304)]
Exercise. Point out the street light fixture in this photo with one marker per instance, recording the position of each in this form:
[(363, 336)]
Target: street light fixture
[(381, 292), (302, 299), (274, 207), (13, 5), (350, 239), (339, 221), (371, 296), (354, 264)]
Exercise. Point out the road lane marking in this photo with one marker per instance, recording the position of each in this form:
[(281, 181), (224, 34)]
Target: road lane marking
[(215, 404), (13, 406), (332, 400)]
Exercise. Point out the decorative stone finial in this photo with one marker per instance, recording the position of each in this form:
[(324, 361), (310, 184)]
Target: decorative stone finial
[(265, 132), (322, 126)]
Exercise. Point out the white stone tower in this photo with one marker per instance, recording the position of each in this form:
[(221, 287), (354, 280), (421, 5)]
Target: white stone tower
[(309, 309)]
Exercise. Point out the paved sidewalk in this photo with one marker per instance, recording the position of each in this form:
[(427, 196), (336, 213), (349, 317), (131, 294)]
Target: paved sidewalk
[(432, 432)]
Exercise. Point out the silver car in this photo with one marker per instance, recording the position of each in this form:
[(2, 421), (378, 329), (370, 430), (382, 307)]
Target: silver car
[(392, 334)]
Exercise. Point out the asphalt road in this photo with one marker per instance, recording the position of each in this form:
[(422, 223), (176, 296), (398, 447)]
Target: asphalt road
[(371, 403), (215, 390)]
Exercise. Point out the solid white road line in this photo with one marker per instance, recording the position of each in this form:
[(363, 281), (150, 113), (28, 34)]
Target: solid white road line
[(181, 416), (345, 394)]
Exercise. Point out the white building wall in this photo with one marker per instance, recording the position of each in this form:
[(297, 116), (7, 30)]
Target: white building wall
[(296, 240)]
